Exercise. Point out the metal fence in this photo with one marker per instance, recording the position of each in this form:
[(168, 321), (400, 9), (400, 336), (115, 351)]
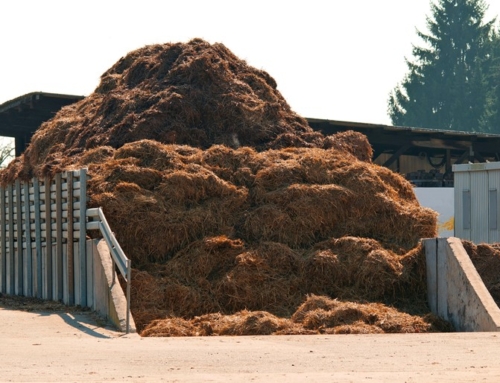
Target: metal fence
[(42, 239), (43, 247)]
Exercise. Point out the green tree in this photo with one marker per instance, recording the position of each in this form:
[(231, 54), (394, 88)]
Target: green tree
[(491, 120), (446, 87)]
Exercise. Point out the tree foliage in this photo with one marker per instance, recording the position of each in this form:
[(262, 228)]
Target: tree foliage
[(491, 119), (446, 86), (7, 152)]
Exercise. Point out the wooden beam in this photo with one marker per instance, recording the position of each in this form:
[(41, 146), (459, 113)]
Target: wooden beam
[(20, 143), (479, 157), (448, 161), (462, 158), (396, 155)]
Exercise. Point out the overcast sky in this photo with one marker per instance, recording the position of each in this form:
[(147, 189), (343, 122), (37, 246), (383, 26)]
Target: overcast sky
[(336, 59)]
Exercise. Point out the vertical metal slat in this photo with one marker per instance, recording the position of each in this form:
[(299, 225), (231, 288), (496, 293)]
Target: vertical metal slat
[(83, 232), (19, 240), (70, 280), (3, 243), (90, 274), (466, 209), (493, 209), (38, 239), (28, 265), (58, 256), (10, 258), (48, 280)]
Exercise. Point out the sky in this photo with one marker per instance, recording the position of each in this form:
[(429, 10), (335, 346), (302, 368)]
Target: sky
[(331, 59)]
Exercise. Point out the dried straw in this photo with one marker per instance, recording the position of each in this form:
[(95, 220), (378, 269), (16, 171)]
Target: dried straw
[(232, 209)]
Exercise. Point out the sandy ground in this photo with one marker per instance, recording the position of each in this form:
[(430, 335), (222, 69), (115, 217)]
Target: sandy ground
[(55, 345)]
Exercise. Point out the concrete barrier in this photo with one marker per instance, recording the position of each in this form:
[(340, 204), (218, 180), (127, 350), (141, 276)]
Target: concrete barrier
[(109, 299), (456, 292)]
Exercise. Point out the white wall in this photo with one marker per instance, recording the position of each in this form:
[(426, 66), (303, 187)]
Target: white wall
[(440, 200)]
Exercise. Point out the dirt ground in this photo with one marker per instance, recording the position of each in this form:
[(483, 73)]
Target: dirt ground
[(51, 343)]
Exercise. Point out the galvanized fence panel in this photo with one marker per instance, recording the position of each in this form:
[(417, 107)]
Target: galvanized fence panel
[(41, 224)]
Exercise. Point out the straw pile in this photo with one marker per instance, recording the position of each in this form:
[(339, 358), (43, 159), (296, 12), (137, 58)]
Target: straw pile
[(234, 212), (317, 315), (486, 259), (194, 94)]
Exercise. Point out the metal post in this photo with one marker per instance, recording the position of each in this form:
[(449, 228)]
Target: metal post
[(129, 282), (70, 263), (38, 239), (83, 233), (3, 243), (28, 265), (48, 277), (11, 257), (57, 271), (19, 262)]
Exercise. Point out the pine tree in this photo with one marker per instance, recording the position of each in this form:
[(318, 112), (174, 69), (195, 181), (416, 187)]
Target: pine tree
[(491, 120), (445, 87)]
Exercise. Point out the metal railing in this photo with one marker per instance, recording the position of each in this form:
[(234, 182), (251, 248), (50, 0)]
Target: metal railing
[(117, 255)]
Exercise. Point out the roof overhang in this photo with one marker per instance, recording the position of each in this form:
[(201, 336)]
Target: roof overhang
[(24, 115), (391, 139)]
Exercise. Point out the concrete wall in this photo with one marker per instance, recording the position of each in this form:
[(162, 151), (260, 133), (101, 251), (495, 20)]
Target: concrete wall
[(455, 289), (109, 299)]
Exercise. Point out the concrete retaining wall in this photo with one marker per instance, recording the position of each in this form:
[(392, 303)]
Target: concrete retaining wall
[(109, 299), (455, 289)]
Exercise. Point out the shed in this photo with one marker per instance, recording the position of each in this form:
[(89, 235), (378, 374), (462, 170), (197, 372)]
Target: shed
[(476, 202), (423, 155), (22, 116)]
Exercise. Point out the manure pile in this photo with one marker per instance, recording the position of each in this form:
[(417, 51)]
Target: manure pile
[(238, 217)]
